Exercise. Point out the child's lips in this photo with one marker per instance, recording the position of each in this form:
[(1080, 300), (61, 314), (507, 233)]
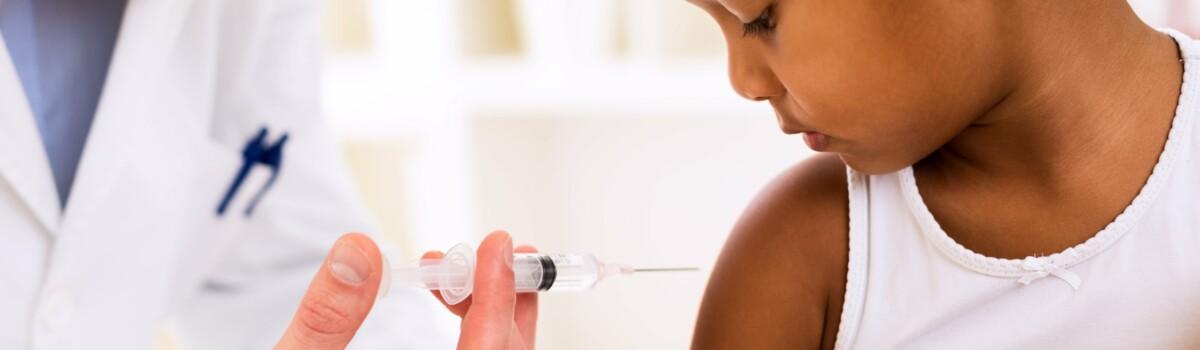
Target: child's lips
[(816, 141)]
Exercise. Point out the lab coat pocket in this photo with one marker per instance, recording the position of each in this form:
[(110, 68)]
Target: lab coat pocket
[(210, 237)]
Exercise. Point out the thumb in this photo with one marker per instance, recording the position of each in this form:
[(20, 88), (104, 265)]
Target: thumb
[(339, 297)]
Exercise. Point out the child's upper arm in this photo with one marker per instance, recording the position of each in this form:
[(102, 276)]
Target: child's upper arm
[(780, 279)]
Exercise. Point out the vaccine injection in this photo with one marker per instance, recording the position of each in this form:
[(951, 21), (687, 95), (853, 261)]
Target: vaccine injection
[(454, 274)]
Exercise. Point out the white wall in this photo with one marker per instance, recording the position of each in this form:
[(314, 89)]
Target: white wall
[(647, 191)]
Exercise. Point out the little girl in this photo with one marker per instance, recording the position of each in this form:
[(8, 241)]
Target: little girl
[(995, 174)]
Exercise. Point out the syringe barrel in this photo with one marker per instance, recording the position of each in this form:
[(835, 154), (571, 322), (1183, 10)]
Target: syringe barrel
[(453, 275), (532, 273), (555, 272)]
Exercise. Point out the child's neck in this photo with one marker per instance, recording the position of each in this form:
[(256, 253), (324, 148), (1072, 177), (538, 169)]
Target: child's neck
[(1088, 95), (1070, 144)]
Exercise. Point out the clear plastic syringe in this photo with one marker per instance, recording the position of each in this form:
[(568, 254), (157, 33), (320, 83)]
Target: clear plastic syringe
[(454, 274)]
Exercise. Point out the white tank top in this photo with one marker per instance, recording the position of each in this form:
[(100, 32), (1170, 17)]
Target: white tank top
[(1134, 285)]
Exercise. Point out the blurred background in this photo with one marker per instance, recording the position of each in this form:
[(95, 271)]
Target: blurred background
[(598, 126)]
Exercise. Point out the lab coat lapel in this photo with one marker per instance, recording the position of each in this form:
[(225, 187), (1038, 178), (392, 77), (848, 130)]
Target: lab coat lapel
[(23, 161), (124, 118)]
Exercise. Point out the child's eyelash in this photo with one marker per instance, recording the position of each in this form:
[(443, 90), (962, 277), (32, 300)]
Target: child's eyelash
[(760, 26)]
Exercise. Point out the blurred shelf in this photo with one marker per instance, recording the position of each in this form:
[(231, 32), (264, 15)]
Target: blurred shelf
[(602, 86)]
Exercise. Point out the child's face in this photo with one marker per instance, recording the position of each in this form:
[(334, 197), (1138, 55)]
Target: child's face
[(883, 83)]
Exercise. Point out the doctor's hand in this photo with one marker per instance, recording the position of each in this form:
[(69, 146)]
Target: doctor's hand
[(338, 298), (495, 317)]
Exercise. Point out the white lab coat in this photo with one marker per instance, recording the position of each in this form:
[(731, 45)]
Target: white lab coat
[(139, 248)]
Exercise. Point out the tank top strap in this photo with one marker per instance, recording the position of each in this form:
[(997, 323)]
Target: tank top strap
[(858, 188)]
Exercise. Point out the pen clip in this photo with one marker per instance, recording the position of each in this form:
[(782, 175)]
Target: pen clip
[(256, 151)]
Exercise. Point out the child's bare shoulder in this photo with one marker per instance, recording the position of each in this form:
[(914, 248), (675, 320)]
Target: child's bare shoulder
[(780, 279)]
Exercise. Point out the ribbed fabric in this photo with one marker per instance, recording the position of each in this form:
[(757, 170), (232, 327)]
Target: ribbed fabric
[(1134, 285)]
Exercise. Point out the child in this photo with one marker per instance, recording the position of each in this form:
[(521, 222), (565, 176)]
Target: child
[(994, 174)]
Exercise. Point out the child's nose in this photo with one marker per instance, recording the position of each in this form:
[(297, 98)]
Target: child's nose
[(751, 77)]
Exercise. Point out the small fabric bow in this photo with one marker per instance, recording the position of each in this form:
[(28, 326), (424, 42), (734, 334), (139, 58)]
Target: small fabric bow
[(1038, 268)]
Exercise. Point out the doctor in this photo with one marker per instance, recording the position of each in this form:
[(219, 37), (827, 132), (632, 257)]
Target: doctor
[(164, 166)]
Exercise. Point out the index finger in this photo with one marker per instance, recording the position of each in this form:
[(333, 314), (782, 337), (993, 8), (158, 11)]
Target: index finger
[(489, 321), (526, 312)]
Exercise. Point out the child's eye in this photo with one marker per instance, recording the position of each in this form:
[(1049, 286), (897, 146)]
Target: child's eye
[(761, 26)]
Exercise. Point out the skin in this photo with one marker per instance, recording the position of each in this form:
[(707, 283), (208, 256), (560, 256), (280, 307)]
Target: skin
[(803, 260), (333, 307), (494, 317), (1012, 114)]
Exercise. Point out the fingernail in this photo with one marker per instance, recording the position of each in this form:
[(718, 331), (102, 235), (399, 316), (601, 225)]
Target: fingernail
[(349, 264), (508, 252)]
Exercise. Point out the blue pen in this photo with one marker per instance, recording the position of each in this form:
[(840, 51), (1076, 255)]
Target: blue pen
[(257, 151)]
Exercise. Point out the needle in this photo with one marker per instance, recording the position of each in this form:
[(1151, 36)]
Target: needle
[(668, 269)]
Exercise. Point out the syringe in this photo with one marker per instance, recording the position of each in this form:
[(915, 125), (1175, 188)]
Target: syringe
[(454, 274)]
